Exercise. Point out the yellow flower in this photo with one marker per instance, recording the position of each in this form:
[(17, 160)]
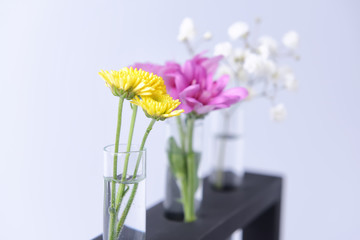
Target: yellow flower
[(160, 108), (129, 82)]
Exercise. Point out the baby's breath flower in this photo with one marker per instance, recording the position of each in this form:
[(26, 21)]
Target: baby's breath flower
[(223, 48), (258, 66), (278, 112), (160, 108), (267, 46), (129, 82), (291, 40), (238, 30), (240, 54), (290, 82), (207, 36), (187, 30)]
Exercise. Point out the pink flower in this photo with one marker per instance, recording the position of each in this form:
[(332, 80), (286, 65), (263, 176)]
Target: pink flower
[(149, 67), (194, 86)]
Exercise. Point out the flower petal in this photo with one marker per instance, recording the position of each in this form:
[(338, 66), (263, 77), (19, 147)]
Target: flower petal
[(190, 91), (230, 97), (219, 85), (204, 109)]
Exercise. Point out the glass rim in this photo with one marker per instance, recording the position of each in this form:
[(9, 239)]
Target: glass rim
[(106, 149)]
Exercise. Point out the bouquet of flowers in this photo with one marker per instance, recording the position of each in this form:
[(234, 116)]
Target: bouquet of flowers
[(148, 91), (194, 85), (254, 63)]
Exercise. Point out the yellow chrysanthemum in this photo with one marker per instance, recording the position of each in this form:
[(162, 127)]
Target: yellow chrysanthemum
[(152, 80), (160, 108), (129, 82)]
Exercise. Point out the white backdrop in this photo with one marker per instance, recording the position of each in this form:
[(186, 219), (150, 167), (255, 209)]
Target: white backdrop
[(56, 114)]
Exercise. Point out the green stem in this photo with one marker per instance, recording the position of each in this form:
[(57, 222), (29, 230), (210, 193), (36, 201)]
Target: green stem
[(189, 205), (181, 132), (120, 193), (190, 126), (184, 197), (113, 183), (133, 192), (146, 134), (126, 210), (128, 147)]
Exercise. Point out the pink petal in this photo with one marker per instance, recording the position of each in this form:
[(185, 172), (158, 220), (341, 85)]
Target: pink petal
[(191, 91), (170, 67), (189, 104), (211, 64), (185, 107), (181, 81), (148, 67), (173, 93), (229, 97), (205, 96), (186, 98), (238, 91), (219, 85), (194, 103), (200, 73), (188, 70), (204, 109), (222, 100), (169, 81)]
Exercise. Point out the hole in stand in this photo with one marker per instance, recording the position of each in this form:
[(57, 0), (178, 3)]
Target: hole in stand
[(229, 182), (179, 217)]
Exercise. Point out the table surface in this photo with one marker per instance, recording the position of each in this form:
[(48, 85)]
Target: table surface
[(224, 212)]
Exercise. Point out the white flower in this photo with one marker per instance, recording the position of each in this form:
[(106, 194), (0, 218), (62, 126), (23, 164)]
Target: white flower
[(290, 82), (239, 54), (278, 112), (187, 30), (269, 68), (291, 40), (223, 48), (252, 63), (237, 30), (207, 36), (267, 46), (286, 75), (258, 66)]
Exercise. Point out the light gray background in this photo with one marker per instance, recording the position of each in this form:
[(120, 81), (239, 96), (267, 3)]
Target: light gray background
[(56, 114)]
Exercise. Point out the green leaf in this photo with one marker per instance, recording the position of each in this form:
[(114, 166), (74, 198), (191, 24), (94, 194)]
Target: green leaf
[(176, 159)]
